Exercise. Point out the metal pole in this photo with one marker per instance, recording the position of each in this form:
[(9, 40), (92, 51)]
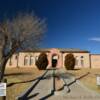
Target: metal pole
[(53, 80)]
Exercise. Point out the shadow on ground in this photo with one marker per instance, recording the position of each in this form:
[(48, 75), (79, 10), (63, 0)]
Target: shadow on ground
[(11, 84), (27, 97), (18, 74)]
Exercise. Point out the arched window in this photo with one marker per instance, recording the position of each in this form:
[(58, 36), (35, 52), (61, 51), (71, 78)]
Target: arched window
[(26, 60), (16, 56), (36, 58), (32, 60), (82, 61), (82, 57), (76, 61)]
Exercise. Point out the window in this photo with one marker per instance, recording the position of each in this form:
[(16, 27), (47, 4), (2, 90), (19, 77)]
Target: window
[(76, 61), (36, 58), (82, 62), (26, 60), (32, 60), (82, 57), (16, 57)]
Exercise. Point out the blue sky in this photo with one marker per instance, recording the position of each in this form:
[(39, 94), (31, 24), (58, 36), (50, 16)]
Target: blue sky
[(71, 23)]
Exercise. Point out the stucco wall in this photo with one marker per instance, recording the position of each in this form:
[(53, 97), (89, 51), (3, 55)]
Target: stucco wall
[(86, 59), (59, 59), (12, 62), (95, 61), (89, 60), (19, 62)]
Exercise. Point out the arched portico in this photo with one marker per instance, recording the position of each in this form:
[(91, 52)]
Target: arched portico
[(55, 56)]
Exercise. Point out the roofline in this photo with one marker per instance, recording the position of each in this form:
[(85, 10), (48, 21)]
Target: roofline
[(96, 54), (34, 51), (61, 50), (75, 51)]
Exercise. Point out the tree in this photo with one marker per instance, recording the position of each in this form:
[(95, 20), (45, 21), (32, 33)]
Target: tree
[(69, 61), (25, 31), (42, 61)]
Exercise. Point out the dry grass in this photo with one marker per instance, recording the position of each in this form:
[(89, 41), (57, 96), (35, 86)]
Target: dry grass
[(89, 80), (15, 76)]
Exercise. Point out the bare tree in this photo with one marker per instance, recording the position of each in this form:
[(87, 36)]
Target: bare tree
[(24, 31)]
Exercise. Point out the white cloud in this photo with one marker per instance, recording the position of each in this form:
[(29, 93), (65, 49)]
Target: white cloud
[(97, 39)]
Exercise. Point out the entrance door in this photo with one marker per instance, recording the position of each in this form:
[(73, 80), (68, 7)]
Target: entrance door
[(54, 60)]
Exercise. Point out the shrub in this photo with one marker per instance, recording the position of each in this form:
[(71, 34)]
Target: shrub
[(69, 61), (42, 61)]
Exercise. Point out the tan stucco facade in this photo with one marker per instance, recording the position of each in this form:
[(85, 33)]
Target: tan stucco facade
[(28, 58), (79, 58), (95, 60)]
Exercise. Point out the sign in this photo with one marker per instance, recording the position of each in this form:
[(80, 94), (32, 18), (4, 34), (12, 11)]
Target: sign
[(98, 80), (2, 89)]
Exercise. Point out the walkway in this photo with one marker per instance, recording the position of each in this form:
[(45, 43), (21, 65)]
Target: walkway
[(44, 90)]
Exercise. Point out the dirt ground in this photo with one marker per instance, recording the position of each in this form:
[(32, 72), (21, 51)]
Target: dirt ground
[(89, 80), (19, 79)]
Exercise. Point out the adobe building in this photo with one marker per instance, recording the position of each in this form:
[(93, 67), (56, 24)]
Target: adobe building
[(84, 59)]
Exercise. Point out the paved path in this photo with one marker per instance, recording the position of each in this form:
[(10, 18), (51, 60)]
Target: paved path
[(44, 87), (77, 92)]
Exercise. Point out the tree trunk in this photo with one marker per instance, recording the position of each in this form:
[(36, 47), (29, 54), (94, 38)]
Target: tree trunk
[(3, 62), (2, 67)]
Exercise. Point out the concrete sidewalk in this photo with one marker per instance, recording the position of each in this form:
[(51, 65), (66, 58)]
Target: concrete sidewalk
[(43, 91), (77, 93)]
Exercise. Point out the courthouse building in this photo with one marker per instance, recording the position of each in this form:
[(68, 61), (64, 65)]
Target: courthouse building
[(84, 59)]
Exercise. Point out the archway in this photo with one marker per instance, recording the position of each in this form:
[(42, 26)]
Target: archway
[(54, 60), (55, 57)]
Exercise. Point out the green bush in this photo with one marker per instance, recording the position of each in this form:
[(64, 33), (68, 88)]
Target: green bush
[(69, 61), (42, 61)]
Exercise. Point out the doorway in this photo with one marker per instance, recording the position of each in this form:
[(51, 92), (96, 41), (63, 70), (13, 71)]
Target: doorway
[(54, 60)]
